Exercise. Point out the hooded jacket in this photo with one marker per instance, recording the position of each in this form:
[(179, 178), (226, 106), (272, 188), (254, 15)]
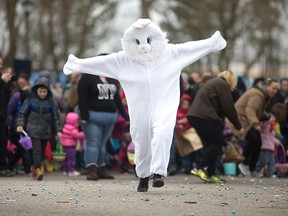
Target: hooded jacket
[(250, 109), (268, 137), (40, 117), (70, 131), (182, 113)]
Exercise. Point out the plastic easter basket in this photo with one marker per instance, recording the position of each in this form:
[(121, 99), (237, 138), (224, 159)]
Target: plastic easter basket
[(131, 153), (25, 141), (281, 168), (58, 155)]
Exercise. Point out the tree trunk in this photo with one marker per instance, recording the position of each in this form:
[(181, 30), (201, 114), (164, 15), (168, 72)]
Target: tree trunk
[(13, 33)]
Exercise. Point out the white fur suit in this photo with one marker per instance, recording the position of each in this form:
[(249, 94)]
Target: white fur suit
[(151, 86)]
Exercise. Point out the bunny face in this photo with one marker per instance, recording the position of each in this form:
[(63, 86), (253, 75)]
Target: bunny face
[(144, 41)]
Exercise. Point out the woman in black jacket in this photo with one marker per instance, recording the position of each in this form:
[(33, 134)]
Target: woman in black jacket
[(5, 91), (213, 102)]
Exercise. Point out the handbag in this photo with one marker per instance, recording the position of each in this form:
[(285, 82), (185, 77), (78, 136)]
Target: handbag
[(25, 141), (192, 136), (188, 142)]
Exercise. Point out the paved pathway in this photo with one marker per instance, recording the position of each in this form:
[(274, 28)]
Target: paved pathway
[(181, 196)]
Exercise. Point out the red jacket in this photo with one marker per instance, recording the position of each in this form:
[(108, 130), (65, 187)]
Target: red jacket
[(182, 113)]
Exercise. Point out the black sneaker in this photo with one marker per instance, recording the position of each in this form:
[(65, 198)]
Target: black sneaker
[(7, 173), (158, 181), (172, 171), (143, 185)]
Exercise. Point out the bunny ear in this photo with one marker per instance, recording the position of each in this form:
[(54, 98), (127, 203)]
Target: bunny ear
[(141, 23)]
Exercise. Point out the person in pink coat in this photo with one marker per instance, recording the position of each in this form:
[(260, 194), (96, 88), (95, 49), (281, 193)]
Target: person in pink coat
[(267, 155), (69, 139)]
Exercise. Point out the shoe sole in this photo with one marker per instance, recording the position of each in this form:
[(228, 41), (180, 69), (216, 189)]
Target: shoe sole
[(213, 182), (92, 179), (40, 177), (6, 175), (142, 189), (219, 182), (158, 183), (243, 173), (193, 172)]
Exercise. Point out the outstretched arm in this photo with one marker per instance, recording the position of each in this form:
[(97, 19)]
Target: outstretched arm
[(189, 52), (108, 65)]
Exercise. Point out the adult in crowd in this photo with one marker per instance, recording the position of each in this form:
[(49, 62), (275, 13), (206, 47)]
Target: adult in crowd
[(15, 103), (281, 96), (5, 91), (70, 95), (259, 81), (98, 100), (212, 103), (251, 108)]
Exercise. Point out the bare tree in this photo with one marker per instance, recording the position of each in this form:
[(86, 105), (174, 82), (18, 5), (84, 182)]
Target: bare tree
[(10, 8), (58, 28), (251, 26), (146, 7), (198, 19), (263, 34), (69, 26)]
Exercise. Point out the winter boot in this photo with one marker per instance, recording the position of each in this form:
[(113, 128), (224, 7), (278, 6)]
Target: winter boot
[(39, 174), (143, 185), (91, 173), (103, 174), (158, 181), (50, 166), (33, 172), (43, 164)]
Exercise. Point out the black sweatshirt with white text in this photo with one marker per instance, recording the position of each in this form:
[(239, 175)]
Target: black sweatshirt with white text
[(95, 95)]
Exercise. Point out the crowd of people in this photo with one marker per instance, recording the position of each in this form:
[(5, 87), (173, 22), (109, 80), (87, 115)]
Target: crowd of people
[(224, 110), (89, 118)]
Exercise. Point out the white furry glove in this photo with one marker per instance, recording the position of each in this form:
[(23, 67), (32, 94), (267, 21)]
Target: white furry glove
[(68, 67), (219, 41)]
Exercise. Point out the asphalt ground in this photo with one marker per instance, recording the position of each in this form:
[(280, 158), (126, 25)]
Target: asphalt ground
[(181, 195)]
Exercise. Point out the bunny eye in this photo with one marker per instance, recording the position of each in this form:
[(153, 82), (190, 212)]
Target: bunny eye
[(149, 40), (137, 41)]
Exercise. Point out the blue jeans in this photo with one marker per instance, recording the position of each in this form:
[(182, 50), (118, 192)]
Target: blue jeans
[(266, 157), (97, 131)]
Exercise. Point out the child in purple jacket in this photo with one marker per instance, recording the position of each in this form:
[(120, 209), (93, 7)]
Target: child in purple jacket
[(69, 139)]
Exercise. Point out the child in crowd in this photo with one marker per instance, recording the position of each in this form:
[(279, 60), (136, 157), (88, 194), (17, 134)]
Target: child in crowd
[(21, 93), (40, 117), (182, 129), (269, 141), (69, 140), (181, 120)]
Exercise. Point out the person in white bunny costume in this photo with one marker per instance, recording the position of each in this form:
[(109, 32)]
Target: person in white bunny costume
[(148, 70)]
